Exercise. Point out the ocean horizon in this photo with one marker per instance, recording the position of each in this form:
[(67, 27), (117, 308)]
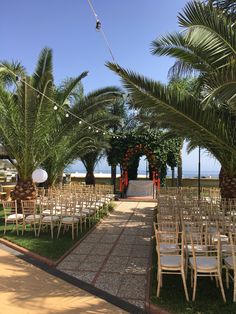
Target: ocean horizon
[(186, 173)]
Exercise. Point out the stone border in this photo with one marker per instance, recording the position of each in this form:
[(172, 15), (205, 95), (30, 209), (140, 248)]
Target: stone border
[(24, 251)]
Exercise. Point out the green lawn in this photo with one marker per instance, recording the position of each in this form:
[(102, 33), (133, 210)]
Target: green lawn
[(208, 297), (44, 245)]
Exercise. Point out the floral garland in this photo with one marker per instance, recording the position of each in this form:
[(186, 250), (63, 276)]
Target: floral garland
[(139, 148)]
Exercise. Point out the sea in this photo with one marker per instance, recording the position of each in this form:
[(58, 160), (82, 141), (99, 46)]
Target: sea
[(105, 169)]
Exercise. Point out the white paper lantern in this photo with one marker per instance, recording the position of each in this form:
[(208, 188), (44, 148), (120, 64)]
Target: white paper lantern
[(39, 176)]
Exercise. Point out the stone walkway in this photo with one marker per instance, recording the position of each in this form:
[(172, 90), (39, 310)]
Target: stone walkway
[(114, 257), (26, 289)]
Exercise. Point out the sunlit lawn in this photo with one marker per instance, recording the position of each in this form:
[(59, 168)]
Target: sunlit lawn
[(44, 245)]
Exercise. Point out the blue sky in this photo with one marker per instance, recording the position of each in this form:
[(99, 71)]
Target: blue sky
[(68, 27)]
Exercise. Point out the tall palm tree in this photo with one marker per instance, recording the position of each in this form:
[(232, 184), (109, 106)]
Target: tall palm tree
[(27, 118), (206, 47)]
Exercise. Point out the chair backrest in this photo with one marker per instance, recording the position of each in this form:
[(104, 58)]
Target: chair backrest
[(9, 207), (209, 250), (170, 244), (28, 207)]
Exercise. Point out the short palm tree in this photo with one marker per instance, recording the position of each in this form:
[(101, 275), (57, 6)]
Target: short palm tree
[(27, 118), (207, 47), (96, 108)]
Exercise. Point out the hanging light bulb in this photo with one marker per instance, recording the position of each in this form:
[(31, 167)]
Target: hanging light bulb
[(80, 122), (89, 127), (97, 131), (98, 25), (67, 115), (55, 107), (104, 133)]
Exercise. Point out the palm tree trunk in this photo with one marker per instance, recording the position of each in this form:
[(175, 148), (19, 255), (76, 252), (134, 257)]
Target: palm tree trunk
[(180, 169), (227, 184), (24, 190), (113, 177), (90, 178), (172, 176)]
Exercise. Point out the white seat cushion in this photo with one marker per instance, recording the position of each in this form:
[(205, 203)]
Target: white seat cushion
[(32, 218), (204, 263), (50, 218), (69, 220), (88, 211), (223, 238), (197, 247), (227, 248), (13, 217), (170, 261)]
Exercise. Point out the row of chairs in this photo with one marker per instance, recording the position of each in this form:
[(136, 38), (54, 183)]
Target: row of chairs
[(199, 233), (57, 209), (179, 251)]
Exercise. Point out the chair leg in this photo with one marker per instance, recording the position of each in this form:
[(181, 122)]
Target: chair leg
[(17, 230), (5, 227), (51, 230), (159, 279), (227, 277), (234, 287), (59, 229), (81, 224), (217, 283), (191, 278), (72, 227), (23, 228), (222, 288), (194, 285), (35, 231), (39, 228), (185, 285), (77, 230)]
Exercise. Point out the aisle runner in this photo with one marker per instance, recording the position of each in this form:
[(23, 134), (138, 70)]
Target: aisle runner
[(115, 256)]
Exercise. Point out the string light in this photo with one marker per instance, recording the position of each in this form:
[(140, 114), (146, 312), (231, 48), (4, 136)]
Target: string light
[(99, 28), (56, 105), (98, 25)]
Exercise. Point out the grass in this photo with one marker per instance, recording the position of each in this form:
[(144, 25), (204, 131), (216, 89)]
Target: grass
[(44, 245), (208, 297)]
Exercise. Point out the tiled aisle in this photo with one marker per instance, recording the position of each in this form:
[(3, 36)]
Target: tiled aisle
[(114, 257)]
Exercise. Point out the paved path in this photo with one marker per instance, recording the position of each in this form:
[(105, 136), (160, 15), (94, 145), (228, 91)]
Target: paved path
[(115, 255), (26, 289)]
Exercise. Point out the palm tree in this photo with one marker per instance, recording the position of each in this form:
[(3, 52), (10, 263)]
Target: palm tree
[(206, 47), (27, 118), (97, 108)]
